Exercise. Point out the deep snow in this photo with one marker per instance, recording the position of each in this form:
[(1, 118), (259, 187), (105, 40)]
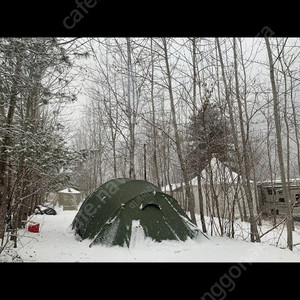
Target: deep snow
[(56, 242)]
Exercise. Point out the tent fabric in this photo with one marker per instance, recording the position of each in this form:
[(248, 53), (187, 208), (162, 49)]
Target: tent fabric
[(111, 213)]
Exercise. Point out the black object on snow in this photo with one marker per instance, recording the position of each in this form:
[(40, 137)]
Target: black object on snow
[(44, 210)]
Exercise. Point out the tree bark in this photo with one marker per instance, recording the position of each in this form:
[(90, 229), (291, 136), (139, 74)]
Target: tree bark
[(201, 201), (155, 164), (279, 147), (189, 193), (199, 170), (130, 113), (245, 152), (253, 226)]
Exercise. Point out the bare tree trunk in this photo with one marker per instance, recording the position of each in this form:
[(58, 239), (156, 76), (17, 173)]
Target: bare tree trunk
[(245, 133), (279, 147), (3, 201), (199, 183), (155, 164), (113, 132), (246, 159), (215, 201), (166, 154), (269, 146), (243, 167), (145, 162), (286, 121), (189, 193), (201, 202), (130, 113)]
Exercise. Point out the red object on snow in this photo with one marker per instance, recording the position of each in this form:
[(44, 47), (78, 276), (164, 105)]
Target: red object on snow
[(34, 228)]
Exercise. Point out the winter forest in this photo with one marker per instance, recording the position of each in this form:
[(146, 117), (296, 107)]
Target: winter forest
[(81, 111)]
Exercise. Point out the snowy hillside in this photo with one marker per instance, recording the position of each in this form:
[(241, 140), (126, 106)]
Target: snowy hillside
[(56, 243)]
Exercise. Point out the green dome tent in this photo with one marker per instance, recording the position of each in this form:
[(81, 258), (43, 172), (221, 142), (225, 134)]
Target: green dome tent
[(121, 206)]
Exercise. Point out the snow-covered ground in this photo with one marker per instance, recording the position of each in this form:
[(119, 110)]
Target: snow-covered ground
[(56, 243)]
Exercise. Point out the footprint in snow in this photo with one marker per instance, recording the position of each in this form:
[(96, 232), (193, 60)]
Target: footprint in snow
[(178, 251)]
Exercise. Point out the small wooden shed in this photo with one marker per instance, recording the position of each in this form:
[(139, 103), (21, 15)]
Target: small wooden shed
[(69, 198)]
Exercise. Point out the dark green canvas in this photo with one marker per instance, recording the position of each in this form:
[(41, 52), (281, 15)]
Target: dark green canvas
[(108, 214)]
